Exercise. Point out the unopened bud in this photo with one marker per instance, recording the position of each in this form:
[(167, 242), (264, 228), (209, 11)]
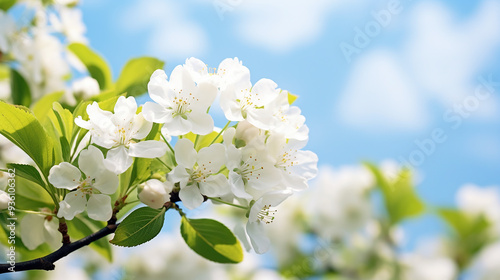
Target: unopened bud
[(155, 193)]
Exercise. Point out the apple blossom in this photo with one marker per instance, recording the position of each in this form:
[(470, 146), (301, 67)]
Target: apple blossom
[(180, 103), (297, 166), (120, 133), (154, 193), (262, 213), (243, 101), (230, 72), (198, 173), (97, 184), (287, 120), (4, 200), (37, 229), (251, 170)]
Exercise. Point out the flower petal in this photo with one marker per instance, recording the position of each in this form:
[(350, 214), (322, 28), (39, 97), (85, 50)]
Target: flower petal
[(30, 227), (260, 242), (147, 149), (106, 182), (99, 207), (140, 127), (118, 160), (214, 185), (201, 122), (65, 176), (185, 154), (190, 196), (155, 113), (74, 203), (51, 233), (91, 161)]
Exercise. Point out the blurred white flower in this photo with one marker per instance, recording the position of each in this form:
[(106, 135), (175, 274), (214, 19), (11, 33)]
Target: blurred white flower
[(37, 229), (485, 266), (420, 267), (6, 32), (262, 213), (230, 72), (481, 201), (340, 198), (4, 197)]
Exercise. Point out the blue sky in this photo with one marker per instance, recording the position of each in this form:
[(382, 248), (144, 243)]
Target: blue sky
[(418, 64)]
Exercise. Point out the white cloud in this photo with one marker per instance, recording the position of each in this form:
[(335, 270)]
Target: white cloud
[(378, 96), (444, 55), (280, 25), (171, 34), (440, 61)]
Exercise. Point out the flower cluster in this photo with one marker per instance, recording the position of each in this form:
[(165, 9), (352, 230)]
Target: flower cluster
[(254, 162)]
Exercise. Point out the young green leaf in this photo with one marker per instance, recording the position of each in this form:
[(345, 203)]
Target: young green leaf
[(211, 240), (44, 105), (291, 98), (6, 4), (96, 65), (401, 200), (22, 128), (139, 227), (135, 75), (27, 172), (20, 90)]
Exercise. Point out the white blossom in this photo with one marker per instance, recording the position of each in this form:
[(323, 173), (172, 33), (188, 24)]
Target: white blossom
[(181, 104), (198, 173), (97, 183), (120, 132), (37, 229)]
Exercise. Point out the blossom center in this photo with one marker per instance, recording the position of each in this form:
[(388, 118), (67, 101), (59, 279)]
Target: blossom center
[(266, 215)]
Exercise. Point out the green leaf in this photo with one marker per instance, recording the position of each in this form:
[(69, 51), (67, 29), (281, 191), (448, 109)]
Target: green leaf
[(291, 98), (203, 140), (20, 90), (211, 240), (43, 106), (139, 227), (64, 120), (135, 75), (6, 4), (27, 172), (471, 233), (22, 128), (401, 200), (96, 65), (82, 226), (30, 195)]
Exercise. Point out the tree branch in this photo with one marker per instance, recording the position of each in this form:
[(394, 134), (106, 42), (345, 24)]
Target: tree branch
[(47, 262)]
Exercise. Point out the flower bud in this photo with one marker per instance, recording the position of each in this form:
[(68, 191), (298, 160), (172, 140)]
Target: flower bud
[(155, 193), (4, 200)]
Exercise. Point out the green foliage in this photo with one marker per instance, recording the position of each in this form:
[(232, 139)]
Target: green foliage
[(6, 4), (471, 233), (211, 240), (30, 195), (400, 198), (82, 226), (139, 227), (95, 64), (203, 140), (22, 128), (20, 90), (27, 172), (135, 75), (42, 107), (291, 98)]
